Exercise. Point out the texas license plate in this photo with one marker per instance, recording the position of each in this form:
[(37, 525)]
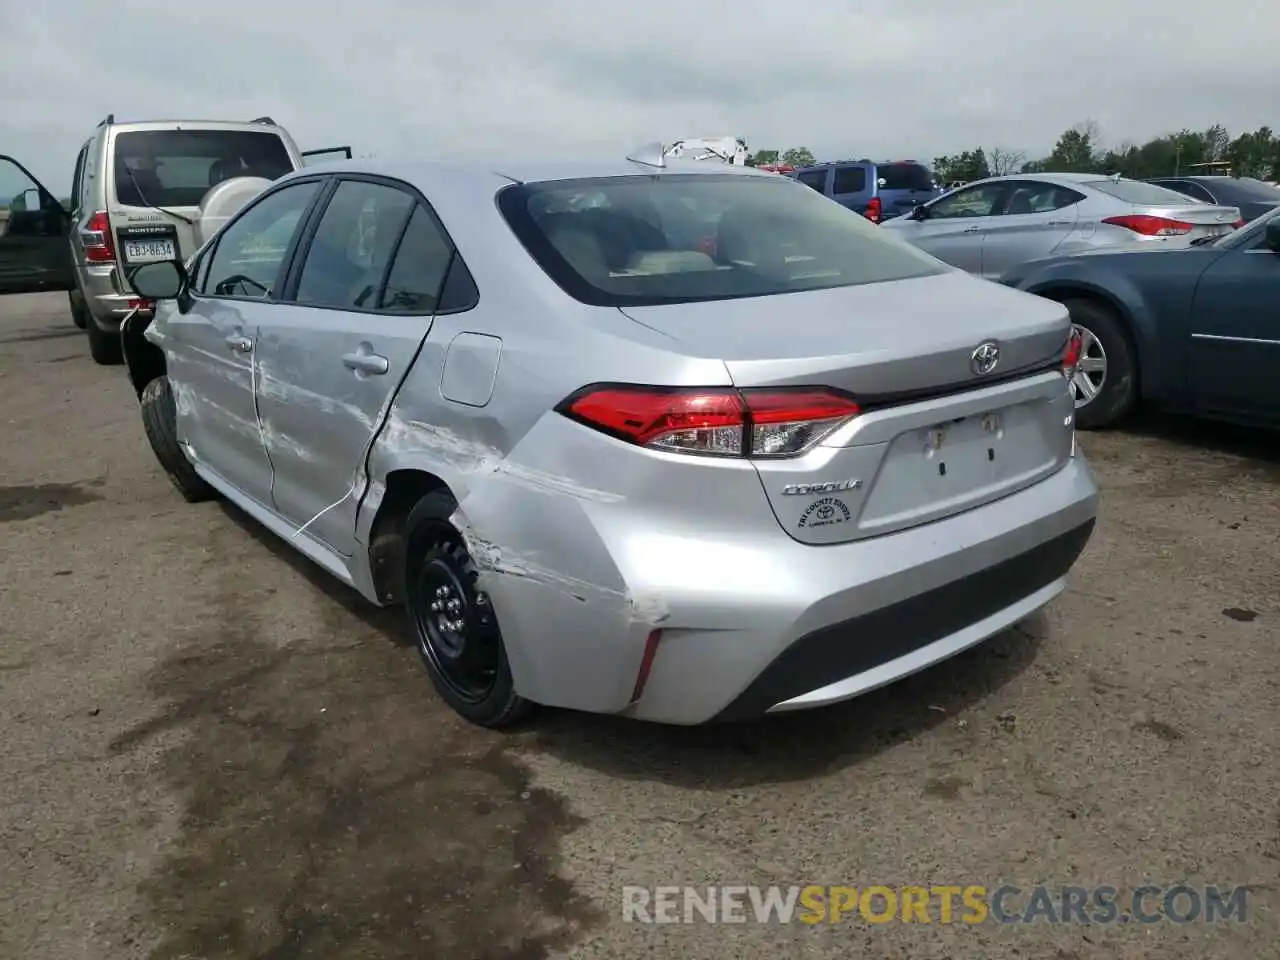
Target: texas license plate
[(136, 250)]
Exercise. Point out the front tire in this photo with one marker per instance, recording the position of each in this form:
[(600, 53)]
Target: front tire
[(454, 624), (105, 348), (1106, 382), (160, 421)]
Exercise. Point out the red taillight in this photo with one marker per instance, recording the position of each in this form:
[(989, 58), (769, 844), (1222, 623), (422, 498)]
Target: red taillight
[(1151, 226), (1239, 223), (875, 210), (95, 236), (1071, 355), (718, 422)]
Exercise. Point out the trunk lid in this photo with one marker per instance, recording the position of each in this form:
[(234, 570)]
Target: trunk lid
[(1206, 219), (935, 438)]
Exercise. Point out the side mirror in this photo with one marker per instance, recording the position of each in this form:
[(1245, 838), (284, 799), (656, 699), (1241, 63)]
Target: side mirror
[(1273, 234), (919, 212), (163, 280)]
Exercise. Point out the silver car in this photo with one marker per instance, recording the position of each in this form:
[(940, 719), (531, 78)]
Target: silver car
[(677, 442), (991, 225)]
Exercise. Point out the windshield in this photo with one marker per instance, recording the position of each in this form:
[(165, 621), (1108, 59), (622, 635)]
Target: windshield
[(1141, 194), (176, 168), (676, 238), (1244, 190)]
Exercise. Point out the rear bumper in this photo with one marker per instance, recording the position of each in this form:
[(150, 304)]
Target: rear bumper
[(104, 298), (854, 656)]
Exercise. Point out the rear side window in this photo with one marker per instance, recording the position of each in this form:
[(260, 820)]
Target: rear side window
[(1138, 193), (679, 238), (817, 179), (849, 180), (417, 272), (176, 168), (905, 176), (1247, 189)]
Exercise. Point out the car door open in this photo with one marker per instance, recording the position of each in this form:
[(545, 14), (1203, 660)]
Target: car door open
[(35, 243), (363, 294)]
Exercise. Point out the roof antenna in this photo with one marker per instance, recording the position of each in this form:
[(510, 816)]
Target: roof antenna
[(650, 155)]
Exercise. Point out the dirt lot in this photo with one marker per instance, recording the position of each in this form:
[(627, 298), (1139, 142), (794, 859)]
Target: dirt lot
[(210, 750)]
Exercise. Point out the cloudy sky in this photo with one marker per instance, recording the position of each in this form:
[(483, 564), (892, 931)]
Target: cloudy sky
[(465, 78)]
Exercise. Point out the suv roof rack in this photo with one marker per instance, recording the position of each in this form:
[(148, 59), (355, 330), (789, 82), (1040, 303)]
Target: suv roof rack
[(264, 120), (108, 121)]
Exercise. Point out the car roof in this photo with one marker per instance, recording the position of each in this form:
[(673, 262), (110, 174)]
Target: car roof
[(1066, 179), (524, 171), (129, 126)]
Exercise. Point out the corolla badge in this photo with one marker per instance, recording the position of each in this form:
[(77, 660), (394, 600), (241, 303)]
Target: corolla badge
[(984, 358)]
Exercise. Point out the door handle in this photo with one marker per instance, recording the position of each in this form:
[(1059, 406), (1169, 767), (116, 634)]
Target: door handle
[(1059, 223), (240, 344), (370, 363), (974, 229)]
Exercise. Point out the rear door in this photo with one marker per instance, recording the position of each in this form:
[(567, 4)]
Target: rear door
[(362, 295), (158, 176), (210, 346), (955, 226), (1033, 220), (851, 185), (35, 247)]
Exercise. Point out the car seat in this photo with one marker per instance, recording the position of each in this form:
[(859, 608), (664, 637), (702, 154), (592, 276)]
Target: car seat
[(1020, 203)]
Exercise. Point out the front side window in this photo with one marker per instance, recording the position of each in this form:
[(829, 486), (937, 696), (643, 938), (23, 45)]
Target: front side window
[(979, 201), (352, 246), (251, 249), (678, 238), (176, 168)]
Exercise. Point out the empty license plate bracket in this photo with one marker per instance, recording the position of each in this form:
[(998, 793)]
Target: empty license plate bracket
[(964, 433)]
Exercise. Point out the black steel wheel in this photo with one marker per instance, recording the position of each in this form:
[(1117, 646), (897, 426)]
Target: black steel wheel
[(454, 624)]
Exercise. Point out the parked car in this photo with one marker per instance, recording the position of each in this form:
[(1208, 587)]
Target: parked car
[(877, 190), (1251, 197), (606, 472), (1195, 330), (137, 194), (991, 225)]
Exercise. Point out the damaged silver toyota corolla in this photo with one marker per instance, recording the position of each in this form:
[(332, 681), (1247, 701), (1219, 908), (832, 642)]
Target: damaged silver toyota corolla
[(676, 441)]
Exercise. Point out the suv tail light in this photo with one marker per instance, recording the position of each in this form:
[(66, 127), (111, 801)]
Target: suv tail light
[(1072, 353), (875, 210), (719, 422), (1151, 226), (95, 236)]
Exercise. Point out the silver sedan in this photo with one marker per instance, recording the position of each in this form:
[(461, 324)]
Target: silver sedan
[(992, 225)]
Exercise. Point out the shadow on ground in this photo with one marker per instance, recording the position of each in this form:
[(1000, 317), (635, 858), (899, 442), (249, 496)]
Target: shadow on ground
[(333, 807), (1248, 443)]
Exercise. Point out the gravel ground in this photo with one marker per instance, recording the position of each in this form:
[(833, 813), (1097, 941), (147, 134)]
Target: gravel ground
[(210, 750)]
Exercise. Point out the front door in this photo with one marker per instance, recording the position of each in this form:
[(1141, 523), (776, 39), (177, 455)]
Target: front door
[(362, 298), (35, 234), (1035, 217), (211, 345), (954, 227), (1234, 355)]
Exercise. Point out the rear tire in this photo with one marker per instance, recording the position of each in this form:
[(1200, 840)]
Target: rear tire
[(105, 348), (159, 421), (79, 315), (467, 662), (1117, 394)]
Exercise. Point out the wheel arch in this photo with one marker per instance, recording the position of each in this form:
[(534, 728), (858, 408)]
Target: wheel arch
[(403, 488), (1063, 290), (144, 360)]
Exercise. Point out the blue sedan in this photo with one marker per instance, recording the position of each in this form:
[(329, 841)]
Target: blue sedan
[(1194, 329)]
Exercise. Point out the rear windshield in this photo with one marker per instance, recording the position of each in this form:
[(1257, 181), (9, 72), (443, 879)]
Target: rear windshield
[(176, 168), (904, 176), (676, 238), (1244, 190), (1142, 194)]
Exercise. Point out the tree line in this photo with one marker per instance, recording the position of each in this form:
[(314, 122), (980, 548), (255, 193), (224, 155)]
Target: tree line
[(1080, 150)]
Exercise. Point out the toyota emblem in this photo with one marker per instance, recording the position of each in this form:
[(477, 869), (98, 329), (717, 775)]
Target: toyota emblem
[(984, 358)]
